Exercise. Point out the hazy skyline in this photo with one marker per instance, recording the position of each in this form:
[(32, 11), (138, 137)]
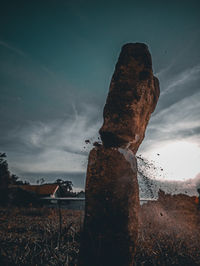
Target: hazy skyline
[(56, 62)]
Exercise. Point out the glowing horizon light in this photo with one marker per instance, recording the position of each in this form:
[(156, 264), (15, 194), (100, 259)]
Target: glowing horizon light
[(180, 160)]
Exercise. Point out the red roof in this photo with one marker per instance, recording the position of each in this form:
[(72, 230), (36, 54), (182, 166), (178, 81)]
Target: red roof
[(45, 190)]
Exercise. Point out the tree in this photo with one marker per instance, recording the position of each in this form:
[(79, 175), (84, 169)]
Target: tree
[(12, 193), (5, 177), (65, 186), (15, 180), (40, 181)]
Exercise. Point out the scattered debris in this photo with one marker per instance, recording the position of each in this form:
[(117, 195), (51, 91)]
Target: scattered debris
[(97, 144)]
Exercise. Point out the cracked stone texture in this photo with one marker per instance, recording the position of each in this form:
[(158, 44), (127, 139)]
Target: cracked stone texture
[(112, 206), (133, 96)]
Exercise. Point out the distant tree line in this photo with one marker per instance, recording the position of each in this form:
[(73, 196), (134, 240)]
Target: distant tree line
[(65, 188), (11, 191), (6, 178)]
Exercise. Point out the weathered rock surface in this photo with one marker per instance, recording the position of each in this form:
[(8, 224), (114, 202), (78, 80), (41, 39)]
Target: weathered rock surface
[(112, 206), (132, 97), (112, 195)]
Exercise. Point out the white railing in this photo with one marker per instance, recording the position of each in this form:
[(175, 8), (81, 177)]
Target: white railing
[(83, 199)]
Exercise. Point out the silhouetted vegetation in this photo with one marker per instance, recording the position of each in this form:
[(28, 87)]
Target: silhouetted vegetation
[(9, 192), (12, 192), (22, 198), (5, 178), (65, 188)]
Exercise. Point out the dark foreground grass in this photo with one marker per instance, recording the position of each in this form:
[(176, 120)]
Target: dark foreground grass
[(169, 234), (31, 236)]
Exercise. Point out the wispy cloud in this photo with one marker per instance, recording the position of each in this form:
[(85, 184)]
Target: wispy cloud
[(45, 131), (184, 114), (50, 139), (178, 111), (12, 48), (58, 145), (28, 65), (182, 79), (178, 122)]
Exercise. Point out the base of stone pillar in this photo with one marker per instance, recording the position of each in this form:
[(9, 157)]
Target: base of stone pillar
[(112, 204)]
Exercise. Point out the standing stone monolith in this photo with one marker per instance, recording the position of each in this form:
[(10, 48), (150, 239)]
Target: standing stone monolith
[(112, 196)]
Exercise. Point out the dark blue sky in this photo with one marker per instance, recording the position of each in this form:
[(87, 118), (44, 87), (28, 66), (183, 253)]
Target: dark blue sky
[(56, 62)]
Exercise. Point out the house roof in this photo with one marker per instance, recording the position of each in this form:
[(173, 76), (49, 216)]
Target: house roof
[(45, 189)]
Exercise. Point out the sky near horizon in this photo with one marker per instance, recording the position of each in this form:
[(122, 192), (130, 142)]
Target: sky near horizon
[(56, 62)]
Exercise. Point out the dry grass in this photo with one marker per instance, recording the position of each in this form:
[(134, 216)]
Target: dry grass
[(31, 236), (169, 234)]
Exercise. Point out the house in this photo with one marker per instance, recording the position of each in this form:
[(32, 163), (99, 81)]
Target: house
[(45, 190)]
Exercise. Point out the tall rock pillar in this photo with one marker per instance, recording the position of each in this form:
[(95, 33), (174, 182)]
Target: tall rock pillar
[(112, 195)]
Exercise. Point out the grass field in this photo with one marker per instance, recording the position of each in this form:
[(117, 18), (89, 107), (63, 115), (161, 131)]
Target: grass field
[(31, 236), (169, 234)]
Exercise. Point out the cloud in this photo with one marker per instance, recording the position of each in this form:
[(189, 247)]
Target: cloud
[(30, 91), (77, 178), (178, 110), (12, 48), (57, 146), (176, 122), (66, 134), (181, 115), (25, 68), (193, 183), (182, 79), (46, 121)]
